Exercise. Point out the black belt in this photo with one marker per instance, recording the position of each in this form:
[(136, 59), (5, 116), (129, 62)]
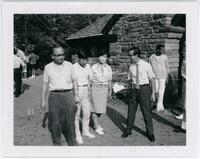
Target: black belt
[(61, 90), (134, 85), (85, 85)]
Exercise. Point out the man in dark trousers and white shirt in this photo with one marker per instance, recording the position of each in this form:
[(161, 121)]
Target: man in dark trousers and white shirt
[(141, 76), (59, 77), (18, 63)]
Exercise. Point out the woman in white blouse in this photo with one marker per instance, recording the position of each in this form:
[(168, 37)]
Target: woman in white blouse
[(100, 90)]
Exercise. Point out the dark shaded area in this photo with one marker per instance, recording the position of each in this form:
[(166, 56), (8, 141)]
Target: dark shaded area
[(164, 121), (119, 120), (179, 20), (169, 97)]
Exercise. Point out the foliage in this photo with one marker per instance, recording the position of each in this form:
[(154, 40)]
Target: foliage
[(46, 30)]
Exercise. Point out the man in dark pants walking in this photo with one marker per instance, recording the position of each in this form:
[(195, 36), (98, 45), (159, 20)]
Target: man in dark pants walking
[(59, 77), (141, 76), (18, 64)]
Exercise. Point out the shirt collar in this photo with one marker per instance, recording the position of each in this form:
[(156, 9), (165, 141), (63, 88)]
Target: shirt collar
[(56, 65), (102, 65), (80, 65)]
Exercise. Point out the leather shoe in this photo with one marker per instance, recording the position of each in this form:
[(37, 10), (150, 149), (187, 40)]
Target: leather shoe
[(151, 138), (179, 130), (125, 134)]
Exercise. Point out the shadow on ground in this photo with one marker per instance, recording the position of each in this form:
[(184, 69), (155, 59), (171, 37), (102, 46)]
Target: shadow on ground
[(119, 120)]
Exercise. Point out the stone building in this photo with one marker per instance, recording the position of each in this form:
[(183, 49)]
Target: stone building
[(117, 33)]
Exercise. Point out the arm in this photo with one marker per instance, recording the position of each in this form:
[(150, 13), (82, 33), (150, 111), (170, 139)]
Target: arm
[(44, 93), (167, 69), (75, 84), (44, 90), (129, 77), (110, 84), (166, 65), (152, 81), (37, 57), (22, 63)]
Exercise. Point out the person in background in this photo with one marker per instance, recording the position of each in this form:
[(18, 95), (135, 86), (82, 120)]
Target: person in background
[(82, 73), (59, 78), (159, 63), (140, 76), (32, 63), (100, 90), (75, 58), (18, 62), (21, 54), (183, 74)]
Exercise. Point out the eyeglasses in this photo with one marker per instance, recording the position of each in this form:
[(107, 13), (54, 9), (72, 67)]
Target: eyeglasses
[(60, 55)]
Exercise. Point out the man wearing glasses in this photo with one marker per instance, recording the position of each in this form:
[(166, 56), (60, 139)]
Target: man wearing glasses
[(59, 78)]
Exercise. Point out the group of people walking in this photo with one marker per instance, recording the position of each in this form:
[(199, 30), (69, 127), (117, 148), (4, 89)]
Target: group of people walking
[(76, 88)]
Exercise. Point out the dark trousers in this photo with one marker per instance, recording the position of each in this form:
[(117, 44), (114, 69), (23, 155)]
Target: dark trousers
[(62, 110), (142, 97), (18, 81)]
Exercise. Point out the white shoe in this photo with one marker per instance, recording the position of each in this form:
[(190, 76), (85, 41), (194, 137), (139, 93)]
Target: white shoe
[(91, 136), (99, 127), (99, 131), (179, 117), (79, 140)]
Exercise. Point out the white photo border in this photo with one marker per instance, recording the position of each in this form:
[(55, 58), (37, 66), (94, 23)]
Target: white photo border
[(188, 8)]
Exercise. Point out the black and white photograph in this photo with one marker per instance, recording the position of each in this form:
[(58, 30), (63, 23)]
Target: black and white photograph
[(99, 79), (107, 109)]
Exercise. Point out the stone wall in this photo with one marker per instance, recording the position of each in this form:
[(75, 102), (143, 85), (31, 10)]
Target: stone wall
[(145, 31)]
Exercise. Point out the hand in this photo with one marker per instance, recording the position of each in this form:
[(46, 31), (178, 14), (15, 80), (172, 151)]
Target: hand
[(77, 100), (109, 93), (43, 105), (153, 97), (167, 79)]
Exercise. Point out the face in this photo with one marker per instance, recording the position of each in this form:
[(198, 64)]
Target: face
[(58, 55), (102, 59), (135, 59), (83, 62), (160, 51), (131, 52), (75, 58)]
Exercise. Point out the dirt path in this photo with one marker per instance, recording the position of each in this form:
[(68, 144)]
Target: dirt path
[(28, 120)]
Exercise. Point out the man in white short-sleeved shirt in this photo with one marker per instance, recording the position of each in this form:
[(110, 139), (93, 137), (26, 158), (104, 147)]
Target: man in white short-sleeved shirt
[(59, 77), (83, 75)]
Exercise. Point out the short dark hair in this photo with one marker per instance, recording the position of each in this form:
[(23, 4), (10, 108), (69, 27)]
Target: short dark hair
[(81, 54), (159, 46), (108, 55), (136, 50), (102, 52)]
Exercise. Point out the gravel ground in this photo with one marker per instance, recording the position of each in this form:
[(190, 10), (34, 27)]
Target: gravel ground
[(28, 120)]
